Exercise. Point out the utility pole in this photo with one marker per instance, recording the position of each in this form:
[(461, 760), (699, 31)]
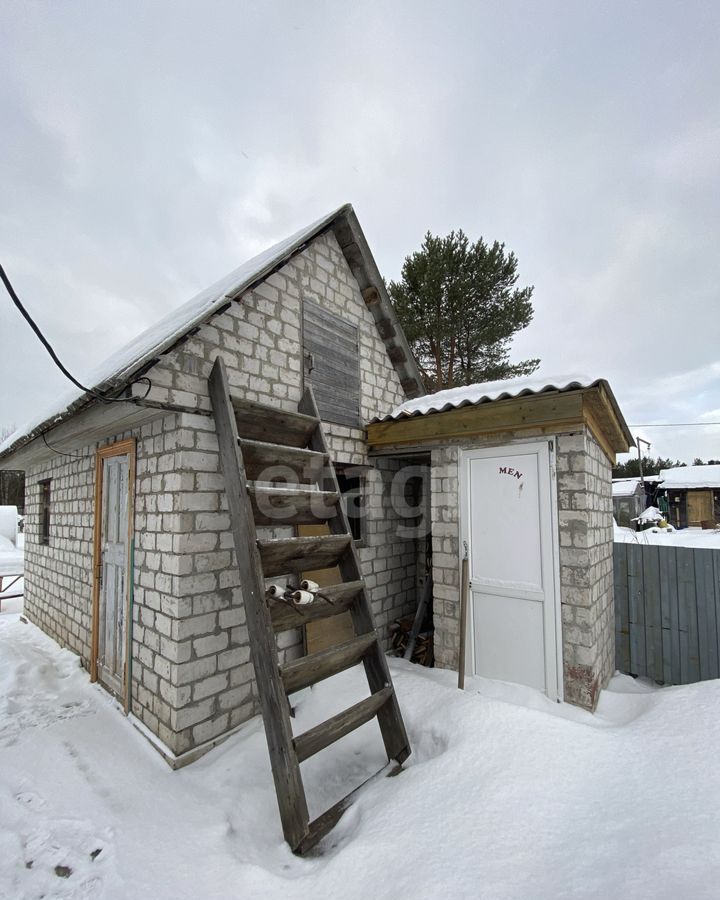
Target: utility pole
[(638, 441)]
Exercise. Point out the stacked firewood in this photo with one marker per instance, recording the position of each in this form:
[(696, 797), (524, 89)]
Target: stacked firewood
[(423, 651)]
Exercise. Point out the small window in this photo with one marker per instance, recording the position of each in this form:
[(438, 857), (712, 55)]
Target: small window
[(45, 512), (350, 481)]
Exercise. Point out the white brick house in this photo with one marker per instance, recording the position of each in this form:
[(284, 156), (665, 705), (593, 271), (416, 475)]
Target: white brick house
[(311, 310), (188, 677)]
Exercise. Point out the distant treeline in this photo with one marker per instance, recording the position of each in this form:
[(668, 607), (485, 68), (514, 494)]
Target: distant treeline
[(12, 489), (651, 466)]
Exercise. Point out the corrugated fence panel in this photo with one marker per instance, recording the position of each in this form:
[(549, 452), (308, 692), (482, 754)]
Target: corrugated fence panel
[(667, 612), (622, 630), (636, 616)]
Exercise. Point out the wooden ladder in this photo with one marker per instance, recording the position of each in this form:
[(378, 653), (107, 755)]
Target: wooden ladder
[(253, 438)]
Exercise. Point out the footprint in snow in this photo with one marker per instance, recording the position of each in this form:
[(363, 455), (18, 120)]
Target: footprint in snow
[(65, 859), (38, 711), (31, 799)]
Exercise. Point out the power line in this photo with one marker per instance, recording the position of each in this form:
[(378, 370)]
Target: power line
[(53, 355), (673, 424), (60, 452)]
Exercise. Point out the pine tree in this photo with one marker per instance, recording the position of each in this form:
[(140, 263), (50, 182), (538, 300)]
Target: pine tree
[(459, 307)]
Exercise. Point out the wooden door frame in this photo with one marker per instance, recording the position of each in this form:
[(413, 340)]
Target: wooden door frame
[(119, 448)]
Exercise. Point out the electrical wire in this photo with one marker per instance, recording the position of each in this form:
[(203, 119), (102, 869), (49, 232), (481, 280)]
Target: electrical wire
[(60, 452), (55, 358)]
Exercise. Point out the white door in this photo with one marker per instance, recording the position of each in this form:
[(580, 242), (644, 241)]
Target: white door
[(509, 527), (114, 568)]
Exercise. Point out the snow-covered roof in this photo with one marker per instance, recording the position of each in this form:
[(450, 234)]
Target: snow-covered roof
[(606, 412), (474, 394), (691, 477), (625, 487), (129, 361)]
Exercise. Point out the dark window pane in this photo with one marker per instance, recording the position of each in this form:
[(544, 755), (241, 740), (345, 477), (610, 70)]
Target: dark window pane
[(45, 512)]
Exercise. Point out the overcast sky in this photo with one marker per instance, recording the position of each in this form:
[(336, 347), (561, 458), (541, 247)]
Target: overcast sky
[(150, 147)]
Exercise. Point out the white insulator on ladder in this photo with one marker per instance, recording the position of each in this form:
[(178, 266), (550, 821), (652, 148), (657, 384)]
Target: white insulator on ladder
[(276, 590), (303, 598), (311, 586)]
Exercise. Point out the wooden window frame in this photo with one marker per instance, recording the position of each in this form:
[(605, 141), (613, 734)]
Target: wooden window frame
[(119, 448), (45, 495)]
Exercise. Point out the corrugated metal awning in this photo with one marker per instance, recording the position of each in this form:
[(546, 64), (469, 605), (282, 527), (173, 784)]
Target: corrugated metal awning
[(594, 401)]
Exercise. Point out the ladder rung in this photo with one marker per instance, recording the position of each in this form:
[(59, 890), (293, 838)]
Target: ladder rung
[(268, 462), (321, 736), (284, 617), (266, 423), (302, 554), (321, 826), (301, 673), (291, 506)]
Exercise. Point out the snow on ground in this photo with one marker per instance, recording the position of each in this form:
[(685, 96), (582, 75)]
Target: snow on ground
[(12, 562), (670, 537), (506, 795)]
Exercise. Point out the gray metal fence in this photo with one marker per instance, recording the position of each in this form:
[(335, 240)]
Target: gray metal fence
[(667, 612)]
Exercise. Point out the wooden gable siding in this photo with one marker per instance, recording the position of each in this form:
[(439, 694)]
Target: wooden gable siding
[(331, 364)]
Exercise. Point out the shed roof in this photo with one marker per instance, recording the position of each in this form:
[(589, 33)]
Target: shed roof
[(625, 487), (129, 362), (503, 406), (486, 392), (689, 477)]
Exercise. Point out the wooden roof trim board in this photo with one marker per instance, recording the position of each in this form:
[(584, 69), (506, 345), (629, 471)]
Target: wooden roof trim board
[(547, 412), (606, 421), (140, 355)]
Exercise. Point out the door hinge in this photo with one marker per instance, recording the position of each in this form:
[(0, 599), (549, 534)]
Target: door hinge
[(551, 445)]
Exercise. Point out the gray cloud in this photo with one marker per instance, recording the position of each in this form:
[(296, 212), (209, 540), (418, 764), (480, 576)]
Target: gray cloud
[(148, 148)]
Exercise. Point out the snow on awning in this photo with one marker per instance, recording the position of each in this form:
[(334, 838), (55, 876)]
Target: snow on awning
[(689, 477), (545, 403), (486, 392)]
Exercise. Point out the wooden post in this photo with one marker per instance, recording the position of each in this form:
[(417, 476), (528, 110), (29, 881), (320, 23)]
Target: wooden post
[(419, 617)]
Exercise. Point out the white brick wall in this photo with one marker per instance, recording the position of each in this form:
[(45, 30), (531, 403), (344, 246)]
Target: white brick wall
[(191, 671), (586, 566)]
